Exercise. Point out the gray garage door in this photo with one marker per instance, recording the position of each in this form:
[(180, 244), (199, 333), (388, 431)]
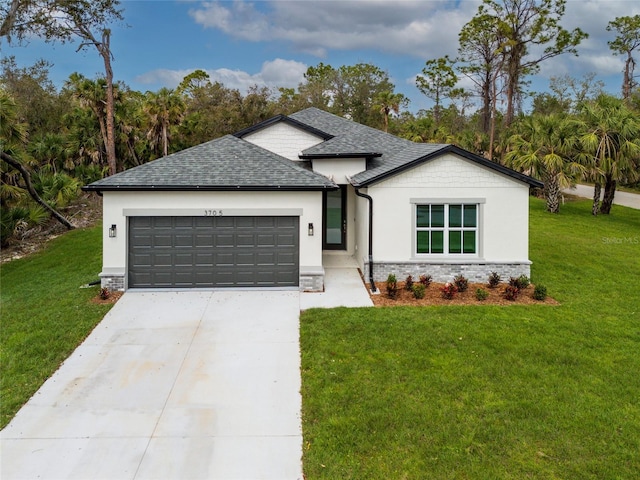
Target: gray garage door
[(192, 252)]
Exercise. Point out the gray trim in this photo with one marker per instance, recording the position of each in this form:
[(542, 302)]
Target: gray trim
[(447, 200), (202, 212)]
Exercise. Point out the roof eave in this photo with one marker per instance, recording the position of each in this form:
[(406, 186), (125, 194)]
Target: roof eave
[(207, 188), (318, 156)]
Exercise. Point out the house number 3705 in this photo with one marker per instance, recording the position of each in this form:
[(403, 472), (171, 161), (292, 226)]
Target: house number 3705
[(213, 213)]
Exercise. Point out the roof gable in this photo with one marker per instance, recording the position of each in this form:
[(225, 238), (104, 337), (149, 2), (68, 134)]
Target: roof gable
[(420, 153), (283, 118), (227, 163)]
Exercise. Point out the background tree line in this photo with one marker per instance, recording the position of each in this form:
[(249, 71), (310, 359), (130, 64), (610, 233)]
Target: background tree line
[(55, 140)]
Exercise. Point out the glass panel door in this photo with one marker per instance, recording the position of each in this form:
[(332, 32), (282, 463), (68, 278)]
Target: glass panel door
[(334, 232)]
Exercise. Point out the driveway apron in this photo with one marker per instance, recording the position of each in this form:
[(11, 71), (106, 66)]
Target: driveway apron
[(175, 385)]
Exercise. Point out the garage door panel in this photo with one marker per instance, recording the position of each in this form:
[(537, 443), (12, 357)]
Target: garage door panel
[(186, 252), (286, 259), (158, 222), (204, 240), (162, 240), (159, 260), (243, 260), (184, 260), (205, 259), (224, 240), (266, 258), (246, 240)]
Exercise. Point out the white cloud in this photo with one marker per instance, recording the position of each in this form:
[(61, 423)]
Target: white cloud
[(415, 28), (274, 73)]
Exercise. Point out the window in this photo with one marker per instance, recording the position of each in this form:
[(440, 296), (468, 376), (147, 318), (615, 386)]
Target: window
[(449, 229)]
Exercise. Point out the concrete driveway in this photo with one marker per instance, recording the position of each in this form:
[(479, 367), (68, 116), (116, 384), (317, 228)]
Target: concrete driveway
[(626, 199), (180, 385)]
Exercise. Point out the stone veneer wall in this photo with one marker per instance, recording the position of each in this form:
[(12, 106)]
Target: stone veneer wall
[(444, 272), (114, 283), (312, 281), (309, 282)]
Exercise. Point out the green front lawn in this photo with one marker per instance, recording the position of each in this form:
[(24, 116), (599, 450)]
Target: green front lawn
[(459, 392), (45, 315), (486, 392)]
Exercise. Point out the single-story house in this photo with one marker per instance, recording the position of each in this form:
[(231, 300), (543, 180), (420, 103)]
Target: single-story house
[(263, 207)]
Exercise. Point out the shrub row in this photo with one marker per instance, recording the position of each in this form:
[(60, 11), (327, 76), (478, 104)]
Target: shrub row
[(461, 284)]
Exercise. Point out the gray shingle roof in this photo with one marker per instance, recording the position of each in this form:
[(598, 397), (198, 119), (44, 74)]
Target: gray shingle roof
[(393, 154), (231, 163), (349, 137), (382, 167), (227, 163)]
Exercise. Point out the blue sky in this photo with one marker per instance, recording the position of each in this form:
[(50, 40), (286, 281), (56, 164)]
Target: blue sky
[(241, 43)]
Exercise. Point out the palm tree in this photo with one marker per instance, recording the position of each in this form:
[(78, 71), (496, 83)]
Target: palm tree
[(164, 109), (387, 102), (91, 95), (612, 141), (546, 148)]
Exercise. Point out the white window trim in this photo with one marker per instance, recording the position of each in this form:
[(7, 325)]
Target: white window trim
[(479, 202)]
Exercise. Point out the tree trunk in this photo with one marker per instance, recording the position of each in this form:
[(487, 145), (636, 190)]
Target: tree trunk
[(514, 70), (165, 140), (486, 104), (595, 208), (27, 180), (627, 78), (492, 125), (105, 51), (552, 194), (609, 193)]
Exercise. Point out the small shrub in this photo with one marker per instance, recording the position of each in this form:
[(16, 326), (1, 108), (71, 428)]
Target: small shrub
[(523, 282), (540, 292), (511, 292), (392, 286), (104, 293), (449, 290), (520, 282), (408, 283), (481, 294), (425, 280), (494, 279), (418, 290), (461, 283)]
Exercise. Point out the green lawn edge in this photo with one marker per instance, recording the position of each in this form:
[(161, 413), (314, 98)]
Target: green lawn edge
[(45, 313)]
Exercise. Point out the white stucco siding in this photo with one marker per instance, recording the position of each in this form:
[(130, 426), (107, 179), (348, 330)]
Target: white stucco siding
[(117, 205), (283, 139), (503, 213), (339, 169)]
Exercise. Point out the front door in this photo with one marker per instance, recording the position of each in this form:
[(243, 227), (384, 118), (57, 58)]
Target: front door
[(334, 222)]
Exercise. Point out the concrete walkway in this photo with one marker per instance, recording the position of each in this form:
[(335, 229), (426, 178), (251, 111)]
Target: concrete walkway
[(342, 284), (171, 385), (626, 199)]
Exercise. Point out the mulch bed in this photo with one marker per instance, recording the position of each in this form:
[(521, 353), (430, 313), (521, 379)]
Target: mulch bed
[(433, 296), (110, 300)]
